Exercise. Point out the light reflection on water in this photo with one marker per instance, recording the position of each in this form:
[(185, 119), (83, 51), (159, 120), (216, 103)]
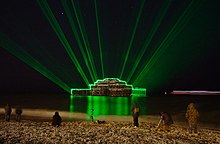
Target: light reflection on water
[(106, 105), (208, 105)]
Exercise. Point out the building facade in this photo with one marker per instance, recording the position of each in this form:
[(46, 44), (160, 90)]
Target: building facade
[(106, 87)]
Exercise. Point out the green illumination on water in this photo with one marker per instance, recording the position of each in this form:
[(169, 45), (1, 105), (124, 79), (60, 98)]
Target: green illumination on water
[(98, 104), (102, 105), (139, 92), (122, 109), (106, 106), (71, 103)]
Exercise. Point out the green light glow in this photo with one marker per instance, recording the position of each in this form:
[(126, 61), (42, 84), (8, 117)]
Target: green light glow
[(149, 38), (24, 56), (139, 92), (176, 29), (124, 109), (99, 109), (103, 105), (56, 27), (74, 29), (136, 91), (132, 38), (99, 38), (85, 38), (138, 69), (71, 104)]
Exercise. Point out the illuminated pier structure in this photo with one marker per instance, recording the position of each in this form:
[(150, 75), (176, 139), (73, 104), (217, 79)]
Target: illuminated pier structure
[(109, 87)]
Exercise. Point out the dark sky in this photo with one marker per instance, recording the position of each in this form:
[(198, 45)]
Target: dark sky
[(190, 60)]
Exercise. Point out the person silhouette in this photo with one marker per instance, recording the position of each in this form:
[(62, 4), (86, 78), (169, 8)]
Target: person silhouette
[(166, 120), (56, 120), (18, 112), (135, 114), (192, 116), (8, 112)]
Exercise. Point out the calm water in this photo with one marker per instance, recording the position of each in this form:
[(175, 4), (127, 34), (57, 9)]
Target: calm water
[(103, 105)]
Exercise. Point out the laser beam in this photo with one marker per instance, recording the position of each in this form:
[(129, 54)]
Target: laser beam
[(24, 56), (56, 27)]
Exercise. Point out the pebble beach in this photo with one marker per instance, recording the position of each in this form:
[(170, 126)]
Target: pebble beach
[(91, 132)]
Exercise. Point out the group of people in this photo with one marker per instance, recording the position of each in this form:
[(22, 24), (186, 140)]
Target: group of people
[(166, 120), (8, 111), (18, 111)]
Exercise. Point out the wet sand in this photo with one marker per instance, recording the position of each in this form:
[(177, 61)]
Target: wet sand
[(46, 116)]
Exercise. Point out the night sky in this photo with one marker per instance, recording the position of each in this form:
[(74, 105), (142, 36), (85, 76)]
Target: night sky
[(188, 61)]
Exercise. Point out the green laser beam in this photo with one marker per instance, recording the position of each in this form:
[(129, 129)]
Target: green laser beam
[(56, 27), (149, 37), (162, 47), (85, 38), (99, 38), (24, 56), (132, 38), (74, 29), (176, 29)]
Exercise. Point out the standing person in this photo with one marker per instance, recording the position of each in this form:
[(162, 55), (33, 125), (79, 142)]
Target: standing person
[(56, 120), (192, 116), (7, 112), (18, 112), (135, 114), (166, 119)]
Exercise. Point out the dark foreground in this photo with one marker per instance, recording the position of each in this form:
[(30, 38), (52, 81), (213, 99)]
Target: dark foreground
[(110, 132)]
